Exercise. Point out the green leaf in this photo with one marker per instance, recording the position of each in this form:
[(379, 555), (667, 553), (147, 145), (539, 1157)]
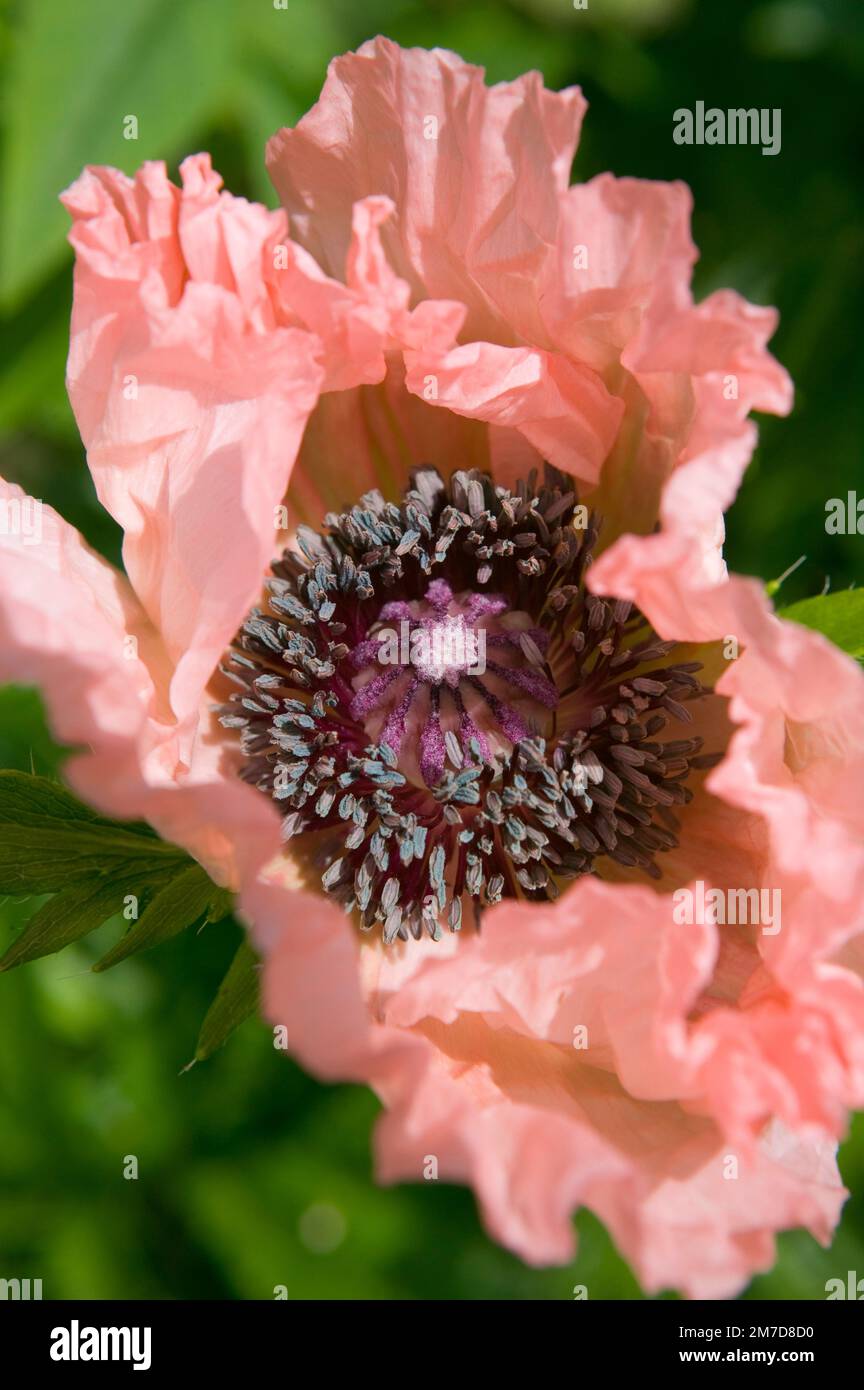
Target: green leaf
[(69, 916), (50, 841), (52, 858), (839, 617), (190, 896), (28, 800), (237, 999)]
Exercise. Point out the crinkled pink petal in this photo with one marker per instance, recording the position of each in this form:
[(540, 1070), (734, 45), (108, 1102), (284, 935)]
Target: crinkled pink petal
[(474, 173), (800, 704), (536, 1130), (59, 597), (562, 409), (710, 1233), (556, 283), (608, 958), (718, 348), (660, 1184), (796, 766), (72, 626), (623, 259), (190, 398), (722, 336), (720, 345)]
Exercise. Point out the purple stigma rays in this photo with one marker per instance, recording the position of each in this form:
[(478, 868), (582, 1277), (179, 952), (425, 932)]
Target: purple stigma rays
[(438, 683), (429, 687)]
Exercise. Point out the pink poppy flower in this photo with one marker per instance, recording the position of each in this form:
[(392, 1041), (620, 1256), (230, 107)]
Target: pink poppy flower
[(442, 316)]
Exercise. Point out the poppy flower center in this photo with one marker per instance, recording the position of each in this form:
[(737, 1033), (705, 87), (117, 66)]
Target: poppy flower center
[(437, 674), (430, 688)]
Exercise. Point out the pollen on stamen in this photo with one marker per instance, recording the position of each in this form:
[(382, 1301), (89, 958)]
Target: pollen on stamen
[(429, 687)]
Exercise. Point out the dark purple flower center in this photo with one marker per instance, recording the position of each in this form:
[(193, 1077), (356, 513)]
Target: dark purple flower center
[(431, 690)]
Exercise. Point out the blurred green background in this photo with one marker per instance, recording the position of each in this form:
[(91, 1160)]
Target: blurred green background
[(251, 1175)]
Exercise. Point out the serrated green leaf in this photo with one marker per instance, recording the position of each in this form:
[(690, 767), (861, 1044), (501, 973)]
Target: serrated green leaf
[(190, 896), (237, 999), (50, 841), (839, 617), (49, 859), (29, 800), (72, 914)]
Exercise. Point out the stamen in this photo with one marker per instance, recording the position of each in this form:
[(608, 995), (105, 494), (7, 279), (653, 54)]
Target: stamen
[(430, 687)]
